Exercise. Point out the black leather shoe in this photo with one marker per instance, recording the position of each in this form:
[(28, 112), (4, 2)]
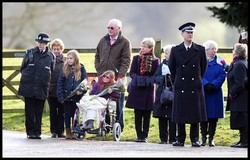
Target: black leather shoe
[(53, 135), (241, 145), (32, 136), (235, 144), (211, 143), (61, 136), (162, 142), (38, 137), (196, 144), (177, 143), (144, 140), (138, 140)]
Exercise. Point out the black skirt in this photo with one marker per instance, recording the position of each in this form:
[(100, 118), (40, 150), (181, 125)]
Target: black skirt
[(238, 120)]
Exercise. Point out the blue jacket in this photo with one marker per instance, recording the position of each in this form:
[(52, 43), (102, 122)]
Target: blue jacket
[(66, 85), (215, 75)]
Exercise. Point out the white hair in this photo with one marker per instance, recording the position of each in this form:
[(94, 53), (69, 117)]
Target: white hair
[(168, 48), (209, 44), (117, 21)]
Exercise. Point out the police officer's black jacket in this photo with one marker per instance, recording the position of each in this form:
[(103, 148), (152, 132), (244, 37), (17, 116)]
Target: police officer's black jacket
[(36, 72)]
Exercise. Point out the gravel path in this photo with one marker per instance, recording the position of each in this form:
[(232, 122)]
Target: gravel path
[(15, 144)]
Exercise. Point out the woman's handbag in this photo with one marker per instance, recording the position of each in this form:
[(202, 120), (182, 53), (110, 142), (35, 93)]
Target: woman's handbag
[(167, 95)]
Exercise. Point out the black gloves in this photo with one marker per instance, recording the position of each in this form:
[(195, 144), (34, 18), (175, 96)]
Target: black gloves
[(210, 88)]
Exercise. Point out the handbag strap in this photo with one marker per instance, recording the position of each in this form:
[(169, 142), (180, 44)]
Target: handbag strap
[(167, 76)]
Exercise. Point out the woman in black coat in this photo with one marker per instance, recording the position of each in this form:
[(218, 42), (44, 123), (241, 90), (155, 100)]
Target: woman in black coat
[(237, 94), (167, 129), (36, 69)]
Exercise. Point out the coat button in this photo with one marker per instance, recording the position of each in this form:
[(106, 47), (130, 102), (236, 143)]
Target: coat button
[(183, 65), (192, 79), (182, 91), (193, 65), (192, 91), (183, 78)]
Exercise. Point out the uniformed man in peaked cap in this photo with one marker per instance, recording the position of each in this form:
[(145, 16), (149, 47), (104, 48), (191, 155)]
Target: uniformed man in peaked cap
[(187, 65), (37, 66)]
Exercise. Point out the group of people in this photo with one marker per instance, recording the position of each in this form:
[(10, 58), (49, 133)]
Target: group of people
[(196, 73)]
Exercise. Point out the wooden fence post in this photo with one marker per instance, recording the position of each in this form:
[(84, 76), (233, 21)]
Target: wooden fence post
[(158, 49)]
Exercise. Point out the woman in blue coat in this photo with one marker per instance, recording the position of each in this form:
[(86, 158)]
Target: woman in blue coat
[(212, 82), (141, 93)]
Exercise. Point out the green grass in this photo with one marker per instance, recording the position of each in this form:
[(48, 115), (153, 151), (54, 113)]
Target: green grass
[(16, 121)]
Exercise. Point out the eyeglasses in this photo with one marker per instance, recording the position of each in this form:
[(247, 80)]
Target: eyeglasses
[(104, 76), (110, 28)]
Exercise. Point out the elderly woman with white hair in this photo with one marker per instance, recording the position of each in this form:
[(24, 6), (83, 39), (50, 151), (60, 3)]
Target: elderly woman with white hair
[(237, 102), (167, 129), (212, 82), (141, 93)]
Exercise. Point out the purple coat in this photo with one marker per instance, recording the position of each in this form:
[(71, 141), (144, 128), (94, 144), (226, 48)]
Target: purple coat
[(141, 95), (97, 89)]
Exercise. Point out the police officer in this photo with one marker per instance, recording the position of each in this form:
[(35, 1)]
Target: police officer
[(37, 66), (187, 65)]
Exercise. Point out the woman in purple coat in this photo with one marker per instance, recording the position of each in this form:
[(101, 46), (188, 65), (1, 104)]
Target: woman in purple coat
[(141, 93), (212, 82)]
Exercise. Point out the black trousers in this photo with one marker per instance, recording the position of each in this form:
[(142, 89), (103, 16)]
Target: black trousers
[(56, 116), (208, 128), (142, 122), (33, 115), (167, 129), (244, 135), (194, 132)]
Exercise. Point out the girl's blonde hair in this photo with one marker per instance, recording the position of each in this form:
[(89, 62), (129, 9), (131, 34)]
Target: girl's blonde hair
[(57, 42), (76, 65)]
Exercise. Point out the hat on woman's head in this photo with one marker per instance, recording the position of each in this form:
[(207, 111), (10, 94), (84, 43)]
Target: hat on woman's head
[(43, 38)]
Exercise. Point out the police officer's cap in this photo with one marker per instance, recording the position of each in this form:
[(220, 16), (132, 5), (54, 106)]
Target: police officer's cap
[(188, 27), (43, 38)]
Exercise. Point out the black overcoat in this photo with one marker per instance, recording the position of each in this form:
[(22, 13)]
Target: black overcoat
[(187, 70), (235, 81), (36, 72)]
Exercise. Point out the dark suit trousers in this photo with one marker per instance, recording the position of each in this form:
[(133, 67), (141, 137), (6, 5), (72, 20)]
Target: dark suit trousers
[(194, 132), (167, 129), (33, 115), (142, 122), (56, 116)]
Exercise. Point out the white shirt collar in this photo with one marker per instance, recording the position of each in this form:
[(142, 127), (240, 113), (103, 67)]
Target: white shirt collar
[(188, 46), (114, 38)]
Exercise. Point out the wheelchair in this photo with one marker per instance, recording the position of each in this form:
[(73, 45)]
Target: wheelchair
[(107, 123)]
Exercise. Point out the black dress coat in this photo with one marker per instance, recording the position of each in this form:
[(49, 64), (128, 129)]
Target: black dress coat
[(187, 70), (238, 105), (160, 110)]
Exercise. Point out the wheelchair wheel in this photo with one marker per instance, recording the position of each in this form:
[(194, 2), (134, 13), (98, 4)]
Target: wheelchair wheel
[(103, 133), (116, 131), (79, 136)]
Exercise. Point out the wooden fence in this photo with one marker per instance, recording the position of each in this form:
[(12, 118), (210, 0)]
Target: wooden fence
[(19, 54)]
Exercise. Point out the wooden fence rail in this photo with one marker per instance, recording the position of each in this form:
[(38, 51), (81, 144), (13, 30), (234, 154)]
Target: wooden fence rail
[(19, 54)]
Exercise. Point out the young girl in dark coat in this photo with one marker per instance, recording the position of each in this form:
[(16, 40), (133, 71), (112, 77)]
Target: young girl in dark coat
[(72, 75)]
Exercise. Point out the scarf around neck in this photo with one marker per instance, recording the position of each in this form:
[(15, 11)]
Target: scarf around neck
[(146, 62)]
